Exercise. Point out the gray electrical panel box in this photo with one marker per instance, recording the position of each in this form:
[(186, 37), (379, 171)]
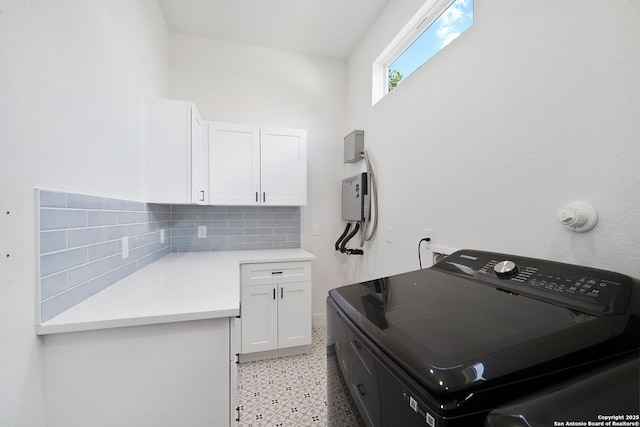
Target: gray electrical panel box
[(354, 197), (353, 146)]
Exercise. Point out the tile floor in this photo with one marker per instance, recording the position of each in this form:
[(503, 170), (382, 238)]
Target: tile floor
[(287, 391)]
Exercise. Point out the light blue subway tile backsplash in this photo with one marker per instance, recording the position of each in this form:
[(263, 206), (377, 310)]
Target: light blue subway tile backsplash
[(97, 218), (115, 232), (81, 249), (52, 219), (81, 239), (53, 285), (53, 199), (62, 302), (84, 202), (51, 241), (56, 262), (101, 282), (103, 250), (84, 236), (123, 205), (234, 227)]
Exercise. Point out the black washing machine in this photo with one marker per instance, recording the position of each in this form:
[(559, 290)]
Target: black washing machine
[(447, 345), (599, 397)]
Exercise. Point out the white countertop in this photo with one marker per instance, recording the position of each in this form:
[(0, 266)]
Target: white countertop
[(178, 287)]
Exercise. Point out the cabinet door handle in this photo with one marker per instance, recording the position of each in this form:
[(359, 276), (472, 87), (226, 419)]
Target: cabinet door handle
[(202, 198), (281, 293), (276, 272), (361, 389), (256, 197), (264, 196), (274, 293)]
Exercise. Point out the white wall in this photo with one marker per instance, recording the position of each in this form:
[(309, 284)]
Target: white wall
[(244, 84), (73, 77), (535, 106)]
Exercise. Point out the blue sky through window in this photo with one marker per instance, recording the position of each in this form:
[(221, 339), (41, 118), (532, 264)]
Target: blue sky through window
[(453, 22)]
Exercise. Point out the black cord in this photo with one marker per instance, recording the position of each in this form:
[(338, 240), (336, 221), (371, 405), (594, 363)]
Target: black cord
[(425, 239), (346, 230), (343, 245)]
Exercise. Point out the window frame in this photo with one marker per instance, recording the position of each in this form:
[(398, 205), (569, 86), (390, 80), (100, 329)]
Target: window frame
[(428, 13)]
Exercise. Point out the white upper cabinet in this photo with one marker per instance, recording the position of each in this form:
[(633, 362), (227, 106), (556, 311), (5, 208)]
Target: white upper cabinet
[(199, 166), (250, 165), (283, 166), (234, 164), (176, 170)]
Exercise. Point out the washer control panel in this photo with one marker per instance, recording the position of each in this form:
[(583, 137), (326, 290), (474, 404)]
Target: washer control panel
[(505, 268), (597, 289), (583, 288)]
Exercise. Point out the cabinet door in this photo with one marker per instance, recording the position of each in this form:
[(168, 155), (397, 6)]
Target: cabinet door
[(170, 374), (198, 162), (168, 151), (234, 164), (294, 314), (259, 318), (234, 349), (283, 166)]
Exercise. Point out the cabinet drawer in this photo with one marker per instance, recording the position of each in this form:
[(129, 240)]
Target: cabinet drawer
[(275, 272)]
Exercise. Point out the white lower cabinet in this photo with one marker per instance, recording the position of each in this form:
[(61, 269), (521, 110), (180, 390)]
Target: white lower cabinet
[(275, 306), (163, 375), (294, 314), (259, 318)]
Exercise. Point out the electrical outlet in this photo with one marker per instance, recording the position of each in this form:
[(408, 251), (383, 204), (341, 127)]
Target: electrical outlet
[(431, 234), (125, 247), (202, 232)]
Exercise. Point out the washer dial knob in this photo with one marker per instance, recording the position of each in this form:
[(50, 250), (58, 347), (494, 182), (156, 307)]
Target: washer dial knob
[(506, 269)]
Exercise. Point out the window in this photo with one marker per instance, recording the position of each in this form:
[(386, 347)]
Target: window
[(436, 24)]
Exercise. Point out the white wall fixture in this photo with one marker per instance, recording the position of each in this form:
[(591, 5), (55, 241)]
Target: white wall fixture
[(579, 217), (125, 247)]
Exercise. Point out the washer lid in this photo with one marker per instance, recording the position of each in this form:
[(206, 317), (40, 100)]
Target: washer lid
[(452, 333)]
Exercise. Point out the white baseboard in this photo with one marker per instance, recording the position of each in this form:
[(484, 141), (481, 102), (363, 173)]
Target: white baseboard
[(319, 320), (273, 354)]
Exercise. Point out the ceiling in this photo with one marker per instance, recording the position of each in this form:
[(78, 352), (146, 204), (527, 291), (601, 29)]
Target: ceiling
[(330, 28)]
